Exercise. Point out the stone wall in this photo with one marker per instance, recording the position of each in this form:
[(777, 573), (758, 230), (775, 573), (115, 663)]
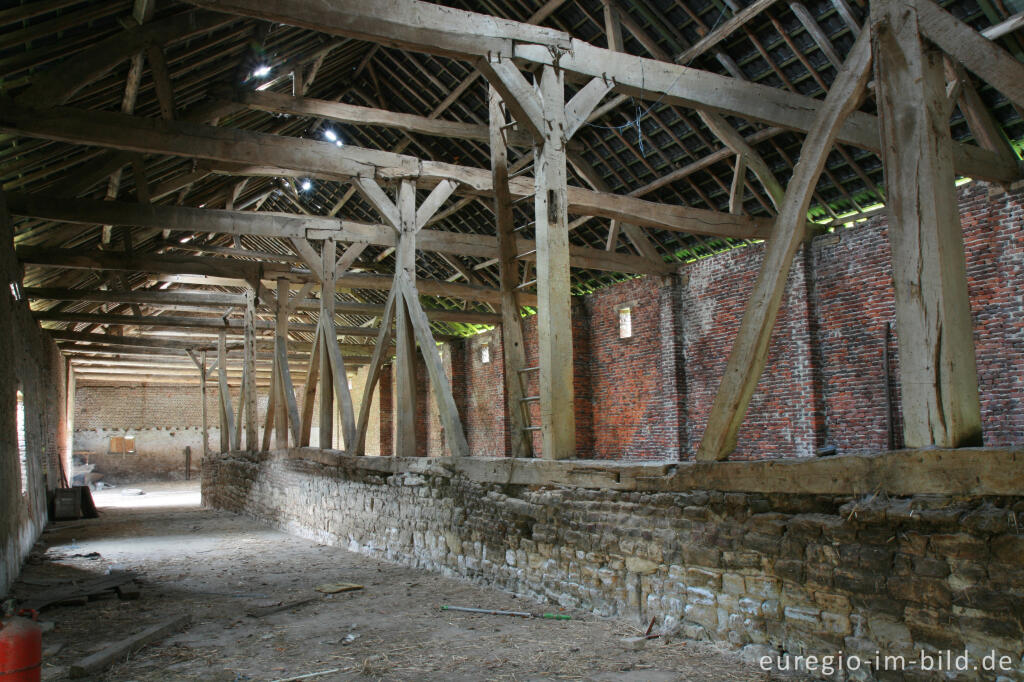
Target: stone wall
[(30, 363), (796, 573)]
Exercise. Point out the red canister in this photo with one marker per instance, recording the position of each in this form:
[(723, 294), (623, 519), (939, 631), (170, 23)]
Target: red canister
[(21, 648)]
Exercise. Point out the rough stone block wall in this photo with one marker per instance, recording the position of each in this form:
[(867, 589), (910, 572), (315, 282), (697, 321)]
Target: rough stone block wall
[(803, 574), (30, 363)]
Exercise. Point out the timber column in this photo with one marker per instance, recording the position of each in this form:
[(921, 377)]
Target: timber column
[(554, 314), (938, 372)]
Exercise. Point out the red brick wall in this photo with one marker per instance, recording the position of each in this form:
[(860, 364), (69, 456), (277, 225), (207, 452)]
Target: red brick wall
[(853, 302), (781, 419), (634, 415), (824, 382), (483, 416), (994, 242)]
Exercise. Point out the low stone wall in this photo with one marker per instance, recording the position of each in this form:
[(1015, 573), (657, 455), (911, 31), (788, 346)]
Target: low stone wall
[(865, 575)]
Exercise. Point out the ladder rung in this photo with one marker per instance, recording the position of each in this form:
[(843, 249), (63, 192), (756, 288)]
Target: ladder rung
[(524, 254), (523, 227), (527, 284), (529, 399), (530, 369), (522, 170), (531, 428), (521, 199)]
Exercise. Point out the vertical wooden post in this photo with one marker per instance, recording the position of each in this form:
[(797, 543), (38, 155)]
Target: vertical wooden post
[(513, 349), (328, 276), (554, 312), (71, 390), (281, 343), (202, 395), (405, 359), (938, 372), (249, 372), (227, 419)]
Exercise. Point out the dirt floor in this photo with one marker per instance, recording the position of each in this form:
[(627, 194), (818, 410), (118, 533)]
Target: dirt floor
[(220, 568)]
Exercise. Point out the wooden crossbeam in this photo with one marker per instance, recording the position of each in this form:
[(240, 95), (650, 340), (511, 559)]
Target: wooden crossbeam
[(222, 272), (357, 115), (251, 153), (175, 298), (298, 228), (175, 322), (980, 55)]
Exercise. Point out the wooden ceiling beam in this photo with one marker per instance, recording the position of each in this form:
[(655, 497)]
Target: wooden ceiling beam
[(292, 226), (175, 322), (436, 29), (173, 298), (250, 153)]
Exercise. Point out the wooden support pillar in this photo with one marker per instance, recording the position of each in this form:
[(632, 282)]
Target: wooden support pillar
[(405, 359), (554, 311), (202, 396), (249, 372), (70, 412), (281, 343), (938, 373), (328, 276), (228, 432), (513, 348)]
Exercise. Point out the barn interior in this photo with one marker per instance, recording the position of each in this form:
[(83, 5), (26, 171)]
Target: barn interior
[(696, 322)]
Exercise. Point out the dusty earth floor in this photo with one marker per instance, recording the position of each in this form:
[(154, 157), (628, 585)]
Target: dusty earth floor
[(217, 567)]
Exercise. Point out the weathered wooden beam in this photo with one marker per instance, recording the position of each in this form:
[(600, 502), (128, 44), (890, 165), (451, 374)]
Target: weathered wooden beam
[(250, 153), (426, 27), (357, 115), (297, 228), (980, 55), (938, 372), (173, 298), (454, 435), (104, 260), (724, 30), (363, 280), (513, 346), (373, 372), (750, 349), (174, 322), (227, 419), (968, 472), (554, 328)]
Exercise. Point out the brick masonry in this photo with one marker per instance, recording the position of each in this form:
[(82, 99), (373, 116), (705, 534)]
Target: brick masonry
[(803, 574), (824, 383), (648, 397), (30, 363)]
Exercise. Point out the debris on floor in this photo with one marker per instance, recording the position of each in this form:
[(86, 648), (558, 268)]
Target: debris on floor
[(335, 588)]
